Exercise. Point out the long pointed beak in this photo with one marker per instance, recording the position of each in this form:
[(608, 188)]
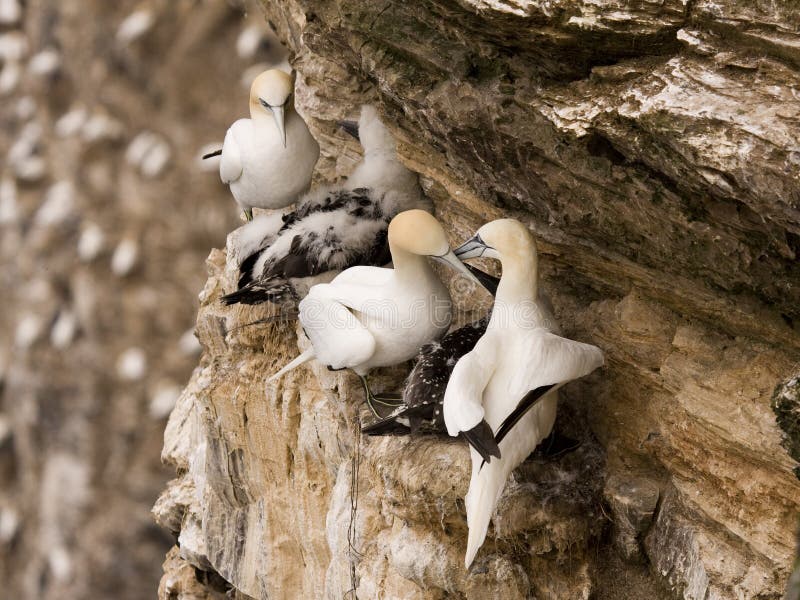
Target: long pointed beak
[(452, 261), (472, 248), (278, 114)]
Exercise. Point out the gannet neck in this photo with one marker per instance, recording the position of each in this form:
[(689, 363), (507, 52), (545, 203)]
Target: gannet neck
[(520, 280), (409, 267)]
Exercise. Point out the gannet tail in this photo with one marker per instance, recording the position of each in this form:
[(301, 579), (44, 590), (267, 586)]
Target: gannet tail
[(303, 358), (484, 491)]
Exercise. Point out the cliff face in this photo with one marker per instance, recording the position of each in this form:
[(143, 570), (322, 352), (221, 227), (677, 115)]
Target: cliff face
[(652, 148)]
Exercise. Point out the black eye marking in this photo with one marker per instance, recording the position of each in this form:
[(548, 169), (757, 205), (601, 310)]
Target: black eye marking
[(266, 104)]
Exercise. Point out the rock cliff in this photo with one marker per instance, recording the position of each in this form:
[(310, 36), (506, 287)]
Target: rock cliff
[(652, 147)]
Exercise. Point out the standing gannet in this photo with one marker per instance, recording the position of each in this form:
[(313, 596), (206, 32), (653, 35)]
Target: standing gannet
[(370, 317), (331, 228), (510, 379), (267, 160)]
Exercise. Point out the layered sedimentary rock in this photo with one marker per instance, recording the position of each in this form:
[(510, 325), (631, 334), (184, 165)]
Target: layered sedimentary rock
[(652, 148)]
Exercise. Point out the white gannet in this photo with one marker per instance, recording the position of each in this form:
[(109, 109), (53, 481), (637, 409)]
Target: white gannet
[(268, 159), (331, 228), (370, 317), (510, 379)]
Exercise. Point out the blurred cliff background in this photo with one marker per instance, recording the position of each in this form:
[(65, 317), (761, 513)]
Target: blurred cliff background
[(106, 218)]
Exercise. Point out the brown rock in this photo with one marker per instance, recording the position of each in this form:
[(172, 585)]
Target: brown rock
[(652, 149)]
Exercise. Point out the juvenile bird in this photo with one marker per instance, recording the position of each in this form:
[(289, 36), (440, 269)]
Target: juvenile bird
[(510, 379), (268, 159), (332, 228), (370, 317)]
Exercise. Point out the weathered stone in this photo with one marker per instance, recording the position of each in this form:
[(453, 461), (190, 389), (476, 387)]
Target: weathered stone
[(632, 501), (652, 148), (786, 405)]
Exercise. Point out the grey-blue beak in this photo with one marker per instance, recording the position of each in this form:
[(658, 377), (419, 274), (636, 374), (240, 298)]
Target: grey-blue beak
[(451, 261), (472, 248)]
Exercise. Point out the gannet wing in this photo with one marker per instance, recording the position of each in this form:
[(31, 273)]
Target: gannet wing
[(248, 241), (556, 361), (463, 398), (230, 164), (528, 401), (354, 287), (340, 340)]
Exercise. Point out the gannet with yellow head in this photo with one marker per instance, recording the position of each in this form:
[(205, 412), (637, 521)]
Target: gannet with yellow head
[(370, 317), (268, 159), (510, 379)]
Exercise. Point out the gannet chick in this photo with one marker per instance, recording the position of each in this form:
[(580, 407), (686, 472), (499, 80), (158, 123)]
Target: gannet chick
[(370, 317), (510, 379), (332, 228), (267, 160)]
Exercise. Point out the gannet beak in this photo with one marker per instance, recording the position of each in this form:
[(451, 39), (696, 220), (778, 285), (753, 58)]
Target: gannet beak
[(472, 248), (451, 260), (277, 113)]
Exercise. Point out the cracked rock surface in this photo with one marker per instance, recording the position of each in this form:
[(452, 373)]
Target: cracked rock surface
[(652, 147)]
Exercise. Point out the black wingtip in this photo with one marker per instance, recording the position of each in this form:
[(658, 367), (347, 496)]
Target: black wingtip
[(247, 295), (212, 154), (350, 127), (482, 439)]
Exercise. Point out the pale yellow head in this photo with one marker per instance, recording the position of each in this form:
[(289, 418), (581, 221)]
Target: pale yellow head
[(271, 88), (503, 239), (271, 94), (418, 232)]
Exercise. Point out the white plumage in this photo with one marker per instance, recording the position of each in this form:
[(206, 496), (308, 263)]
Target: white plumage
[(268, 159), (371, 317), (511, 378), (332, 228)]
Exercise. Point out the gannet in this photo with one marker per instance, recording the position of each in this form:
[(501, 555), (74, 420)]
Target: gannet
[(267, 160), (510, 379), (370, 317), (332, 228)]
